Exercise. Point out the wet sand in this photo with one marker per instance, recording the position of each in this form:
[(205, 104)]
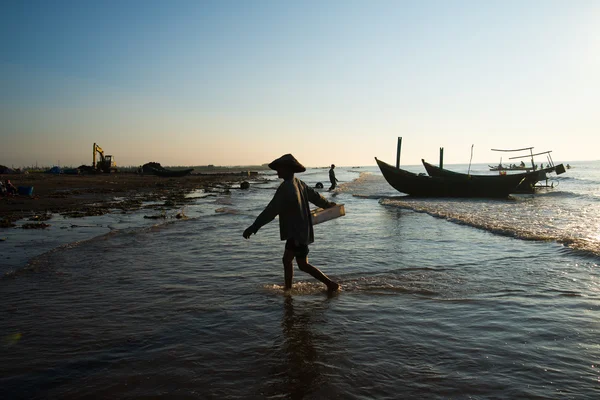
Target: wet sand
[(86, 195)]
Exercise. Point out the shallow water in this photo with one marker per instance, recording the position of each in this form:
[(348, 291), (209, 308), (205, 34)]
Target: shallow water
[(441, 299)]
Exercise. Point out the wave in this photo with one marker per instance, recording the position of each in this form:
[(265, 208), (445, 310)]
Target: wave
[(373, 196), (520, 220), (574, 194), (584, 180), (435, 283), (558, 194), (380, 286)]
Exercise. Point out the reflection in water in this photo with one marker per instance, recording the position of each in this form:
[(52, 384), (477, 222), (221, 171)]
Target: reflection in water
[(301, 368), (302, 373)]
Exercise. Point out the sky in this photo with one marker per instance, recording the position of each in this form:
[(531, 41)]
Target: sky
[(243, 82)]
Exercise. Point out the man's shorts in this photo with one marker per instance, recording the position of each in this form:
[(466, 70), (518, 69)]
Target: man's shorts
[(299, 250)]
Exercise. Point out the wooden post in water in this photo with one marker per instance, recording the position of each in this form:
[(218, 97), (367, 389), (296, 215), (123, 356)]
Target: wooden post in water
[(441, 157), (398, 152)]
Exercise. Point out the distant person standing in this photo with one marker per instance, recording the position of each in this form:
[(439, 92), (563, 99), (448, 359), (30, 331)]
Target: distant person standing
[(10, 188), (291, 203), (332, 178)]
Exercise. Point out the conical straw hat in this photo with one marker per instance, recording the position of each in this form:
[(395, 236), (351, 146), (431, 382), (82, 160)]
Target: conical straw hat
[(287, 161)]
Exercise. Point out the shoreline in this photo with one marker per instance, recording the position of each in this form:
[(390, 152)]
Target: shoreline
[(92, 195)]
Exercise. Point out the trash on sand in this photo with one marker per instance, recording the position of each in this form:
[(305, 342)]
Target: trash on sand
[(41, 225)]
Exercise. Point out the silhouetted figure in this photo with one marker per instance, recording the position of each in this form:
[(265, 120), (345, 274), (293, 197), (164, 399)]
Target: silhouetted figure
[(332, 178), (10, 188), (291, 203)]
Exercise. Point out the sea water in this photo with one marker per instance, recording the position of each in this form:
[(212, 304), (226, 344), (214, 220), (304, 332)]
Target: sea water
[(442, 298)]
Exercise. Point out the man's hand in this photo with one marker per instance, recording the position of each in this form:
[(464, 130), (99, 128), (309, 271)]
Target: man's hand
[(249, 231), (332, 204)]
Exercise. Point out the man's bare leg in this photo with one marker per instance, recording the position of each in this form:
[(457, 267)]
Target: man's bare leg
[(316, 273), (288, 268)]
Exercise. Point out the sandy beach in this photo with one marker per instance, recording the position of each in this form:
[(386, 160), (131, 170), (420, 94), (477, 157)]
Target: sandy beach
[(87, 195)]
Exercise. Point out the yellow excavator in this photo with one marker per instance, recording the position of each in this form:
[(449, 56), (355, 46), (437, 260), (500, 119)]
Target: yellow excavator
[(105, 163)]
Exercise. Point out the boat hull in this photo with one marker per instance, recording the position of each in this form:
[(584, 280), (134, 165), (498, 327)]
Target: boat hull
[(167, 173), (526, 180), (449, 186)]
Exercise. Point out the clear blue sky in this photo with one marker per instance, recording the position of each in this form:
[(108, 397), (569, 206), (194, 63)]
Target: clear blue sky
[(242, 82)]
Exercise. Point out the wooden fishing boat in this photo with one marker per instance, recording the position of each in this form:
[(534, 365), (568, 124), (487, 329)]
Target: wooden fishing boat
[(527, 180), (172, 173), (445, 186), (154, 168)]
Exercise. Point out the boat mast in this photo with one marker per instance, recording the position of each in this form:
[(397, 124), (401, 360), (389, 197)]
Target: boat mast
[(398, 150), (469, 172)]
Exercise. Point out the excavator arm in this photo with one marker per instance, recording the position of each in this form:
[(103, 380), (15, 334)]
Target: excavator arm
[(97, 149), (105, 163)]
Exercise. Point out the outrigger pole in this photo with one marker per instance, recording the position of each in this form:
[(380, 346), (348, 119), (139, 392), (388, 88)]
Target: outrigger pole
[(537, 154), (559, 169), (523, 149)]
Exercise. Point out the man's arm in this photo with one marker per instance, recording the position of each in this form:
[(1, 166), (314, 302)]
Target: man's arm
[(318, 200), (266, 216)]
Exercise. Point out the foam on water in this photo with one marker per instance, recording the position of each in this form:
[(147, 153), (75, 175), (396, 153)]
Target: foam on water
[(542, 218), (300, 288)]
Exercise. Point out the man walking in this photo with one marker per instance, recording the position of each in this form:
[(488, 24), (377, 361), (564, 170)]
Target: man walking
[(291, 203)]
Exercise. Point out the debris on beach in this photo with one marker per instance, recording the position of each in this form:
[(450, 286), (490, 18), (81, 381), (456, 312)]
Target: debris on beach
[(86, 212), (94, 195), (7, 223), (41, 225), (224, 201), (41, 217), (155, 216), (162, 215), (82, 226), (227, 210)]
